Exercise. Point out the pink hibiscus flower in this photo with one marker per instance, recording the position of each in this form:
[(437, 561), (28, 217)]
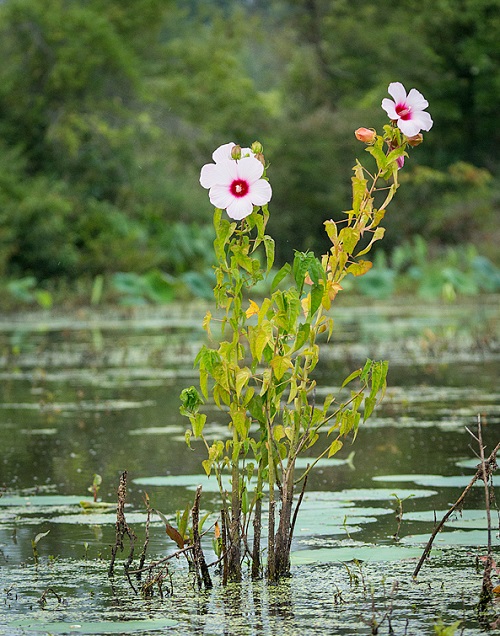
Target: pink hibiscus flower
[(407, 110), (235, 185)]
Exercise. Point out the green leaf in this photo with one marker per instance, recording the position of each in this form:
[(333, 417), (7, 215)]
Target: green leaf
[(378, 153), (282, 273), (191, 401), (269, 247), (377, 235), (242, 377), (316, 297), (198, 423), (370, 403), (349, 237), (302, 335), (359, 268), (258, 337), (335, 446), (256, 409), (331, 230), (280, 365), (241, 423), (351, 377), (358, 193), (366, 370)]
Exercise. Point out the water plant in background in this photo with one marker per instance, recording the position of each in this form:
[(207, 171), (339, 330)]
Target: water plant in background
[(27, 291), (414, 267), (260, 368)]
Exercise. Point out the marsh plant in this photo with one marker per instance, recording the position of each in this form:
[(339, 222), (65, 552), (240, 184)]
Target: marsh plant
[(259, 367)]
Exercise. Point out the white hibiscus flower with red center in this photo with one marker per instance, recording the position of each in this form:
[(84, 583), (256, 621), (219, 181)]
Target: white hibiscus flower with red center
[(235, 185), (408, 111)]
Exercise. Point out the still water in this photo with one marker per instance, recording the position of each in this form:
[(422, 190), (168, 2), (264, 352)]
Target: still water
[(98, 394)]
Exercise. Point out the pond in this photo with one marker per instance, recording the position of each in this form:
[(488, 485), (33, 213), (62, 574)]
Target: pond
[(98, 393)]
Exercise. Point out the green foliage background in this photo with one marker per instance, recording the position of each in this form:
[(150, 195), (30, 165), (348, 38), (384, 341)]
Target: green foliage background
[(109, 108)]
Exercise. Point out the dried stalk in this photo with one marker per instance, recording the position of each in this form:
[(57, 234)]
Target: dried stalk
[(199, 558), (122, 528), (486, 467)]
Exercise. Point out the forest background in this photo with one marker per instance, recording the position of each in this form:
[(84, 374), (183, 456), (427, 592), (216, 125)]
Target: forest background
[(109, 108)]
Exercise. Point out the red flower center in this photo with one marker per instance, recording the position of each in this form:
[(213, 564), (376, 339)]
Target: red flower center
[(403, 111), (239, 188)]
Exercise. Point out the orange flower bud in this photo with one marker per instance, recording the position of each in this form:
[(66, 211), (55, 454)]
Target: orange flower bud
[(367, 135)]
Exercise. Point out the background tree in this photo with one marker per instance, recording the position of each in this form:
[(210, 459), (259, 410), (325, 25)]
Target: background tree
[(109, 108)]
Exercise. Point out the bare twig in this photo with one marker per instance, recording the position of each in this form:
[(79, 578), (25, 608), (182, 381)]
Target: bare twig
[(146, 538), (490, 464), (487, 585), (155, 564)]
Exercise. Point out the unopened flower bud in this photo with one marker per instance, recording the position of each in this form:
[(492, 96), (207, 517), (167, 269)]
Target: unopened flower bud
[(257, 148), (236, 152), (367, 135), (416, 140), (260, 157)]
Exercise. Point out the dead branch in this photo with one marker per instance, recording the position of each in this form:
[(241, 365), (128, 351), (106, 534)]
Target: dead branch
[(488, 466), (198, 556), (122, 528)]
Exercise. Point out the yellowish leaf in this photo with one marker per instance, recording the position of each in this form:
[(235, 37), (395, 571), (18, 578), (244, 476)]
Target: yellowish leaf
[(253, 310)]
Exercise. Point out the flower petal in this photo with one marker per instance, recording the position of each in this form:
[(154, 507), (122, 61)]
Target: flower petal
[(209, 175), (419, 121), (260, 192), (397, 91), (239, 208), (223, 152), (250, 169), (423, 119), (222, 173), (416, 100), (410, 127), (390, 108), (220, 196)]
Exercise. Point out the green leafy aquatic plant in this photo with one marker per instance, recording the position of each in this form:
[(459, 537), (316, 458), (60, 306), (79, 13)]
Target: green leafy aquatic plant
[(260, 368)]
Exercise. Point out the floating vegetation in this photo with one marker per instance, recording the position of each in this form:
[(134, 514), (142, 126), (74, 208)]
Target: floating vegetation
[(348, 568)]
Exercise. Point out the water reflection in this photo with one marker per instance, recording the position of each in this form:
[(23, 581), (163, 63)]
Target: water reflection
[(85, 399)]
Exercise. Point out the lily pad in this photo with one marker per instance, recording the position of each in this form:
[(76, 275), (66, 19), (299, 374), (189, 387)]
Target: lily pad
[(41, 500), (369, 494), (372, 553), (324, 462), (101, 627), (455, 537), (187, 481), (465, 519), (468, 463), (101, 518), (438, 481)]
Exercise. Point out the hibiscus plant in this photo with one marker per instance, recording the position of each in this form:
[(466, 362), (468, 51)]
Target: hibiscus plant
[(259, 369)]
